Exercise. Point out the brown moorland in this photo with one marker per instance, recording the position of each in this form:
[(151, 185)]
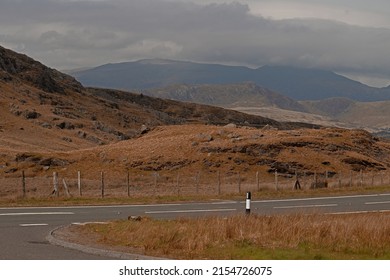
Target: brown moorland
[(50, 122)]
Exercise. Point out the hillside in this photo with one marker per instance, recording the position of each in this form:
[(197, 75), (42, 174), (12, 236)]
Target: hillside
[(44, 109), (46, 126), (295, 83), (231, 95), (374, 116)]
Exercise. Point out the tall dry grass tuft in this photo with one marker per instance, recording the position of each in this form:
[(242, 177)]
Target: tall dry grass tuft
[(243, 237)]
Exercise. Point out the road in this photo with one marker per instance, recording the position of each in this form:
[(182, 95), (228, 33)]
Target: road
[(24, 230)]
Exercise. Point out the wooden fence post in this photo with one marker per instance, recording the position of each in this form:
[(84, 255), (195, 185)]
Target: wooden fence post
[(23, 184), (350, 178), (239, 182), (340, 177), (219, 182), (66, 188), (102, 183), (361, 178), (257, 181), (79, 182), (128, 183), (55, 184), (177, 183), (276, 180), (381, 178), (197, 182), (155, 175)]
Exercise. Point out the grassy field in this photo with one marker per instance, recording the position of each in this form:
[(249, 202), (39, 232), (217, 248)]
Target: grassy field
[(280, 237)]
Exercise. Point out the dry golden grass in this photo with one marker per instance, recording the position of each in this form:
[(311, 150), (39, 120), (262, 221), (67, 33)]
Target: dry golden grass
[(297, 236)]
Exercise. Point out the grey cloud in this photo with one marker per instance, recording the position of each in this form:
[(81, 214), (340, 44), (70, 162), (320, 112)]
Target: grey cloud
[(84, 33)]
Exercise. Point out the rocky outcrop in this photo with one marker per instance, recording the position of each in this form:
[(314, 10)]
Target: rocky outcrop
[(14, 66)]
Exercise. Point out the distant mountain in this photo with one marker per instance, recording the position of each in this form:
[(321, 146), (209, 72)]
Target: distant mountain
[(233, 95), (296, 83)]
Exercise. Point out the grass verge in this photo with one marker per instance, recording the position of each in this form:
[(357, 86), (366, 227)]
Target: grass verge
[(280, 237)]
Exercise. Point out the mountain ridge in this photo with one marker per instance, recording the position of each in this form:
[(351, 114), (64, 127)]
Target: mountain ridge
[(293, 82)]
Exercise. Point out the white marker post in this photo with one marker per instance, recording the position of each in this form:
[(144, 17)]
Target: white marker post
[(248, 203)]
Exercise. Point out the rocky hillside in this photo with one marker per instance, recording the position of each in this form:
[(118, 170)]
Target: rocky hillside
[(41, 108), (232, 95)]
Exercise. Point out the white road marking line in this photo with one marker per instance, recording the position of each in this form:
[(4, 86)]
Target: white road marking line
[(36, 213), (305, 206), (320, 198), (377, 202), (359, 212), (87, 223), (190, 211), (94, 206), (32, 225)]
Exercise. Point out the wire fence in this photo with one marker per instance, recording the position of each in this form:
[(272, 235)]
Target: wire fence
[(174, 183)]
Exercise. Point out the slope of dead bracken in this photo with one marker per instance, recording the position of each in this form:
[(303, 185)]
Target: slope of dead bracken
[(210, 149), (229, 148)]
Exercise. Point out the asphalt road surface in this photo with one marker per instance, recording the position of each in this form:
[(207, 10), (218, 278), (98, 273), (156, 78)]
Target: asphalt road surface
[(23, 231)]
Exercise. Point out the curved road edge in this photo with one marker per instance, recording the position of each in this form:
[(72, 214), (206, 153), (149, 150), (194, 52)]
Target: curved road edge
[(94, 251)]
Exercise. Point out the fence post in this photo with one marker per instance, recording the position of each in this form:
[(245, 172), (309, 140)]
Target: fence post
[(219, 182), (79, 182), (381, 178), (239, 182), (55, 184), (23, 184), (361, 178), (155, 175), (128, 183), (66, 188), (197, 182), (350, 178), (177, 183), (276, 180), (257, 181), (340, 176), (102, 183)]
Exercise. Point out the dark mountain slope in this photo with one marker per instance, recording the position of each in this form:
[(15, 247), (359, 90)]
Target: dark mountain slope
[(295, 83)]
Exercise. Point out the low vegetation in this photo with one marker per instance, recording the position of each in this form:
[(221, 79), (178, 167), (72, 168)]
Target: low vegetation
[(294, 236)]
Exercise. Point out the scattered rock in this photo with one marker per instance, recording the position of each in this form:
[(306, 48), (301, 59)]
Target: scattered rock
[(46, 125), (202, 137), (144, 129), (31, 114), (65, 125), (53, 162), (11, 170), (231, 125), (134, 218)]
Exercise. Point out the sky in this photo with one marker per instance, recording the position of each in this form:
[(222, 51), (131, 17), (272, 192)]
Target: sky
[(351, 37)]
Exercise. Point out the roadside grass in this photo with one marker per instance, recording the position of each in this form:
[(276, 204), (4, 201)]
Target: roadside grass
[(279, 237), (42, 201), (18, 201)]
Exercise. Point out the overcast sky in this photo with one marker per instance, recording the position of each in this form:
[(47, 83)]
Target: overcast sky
[(346, 36)]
